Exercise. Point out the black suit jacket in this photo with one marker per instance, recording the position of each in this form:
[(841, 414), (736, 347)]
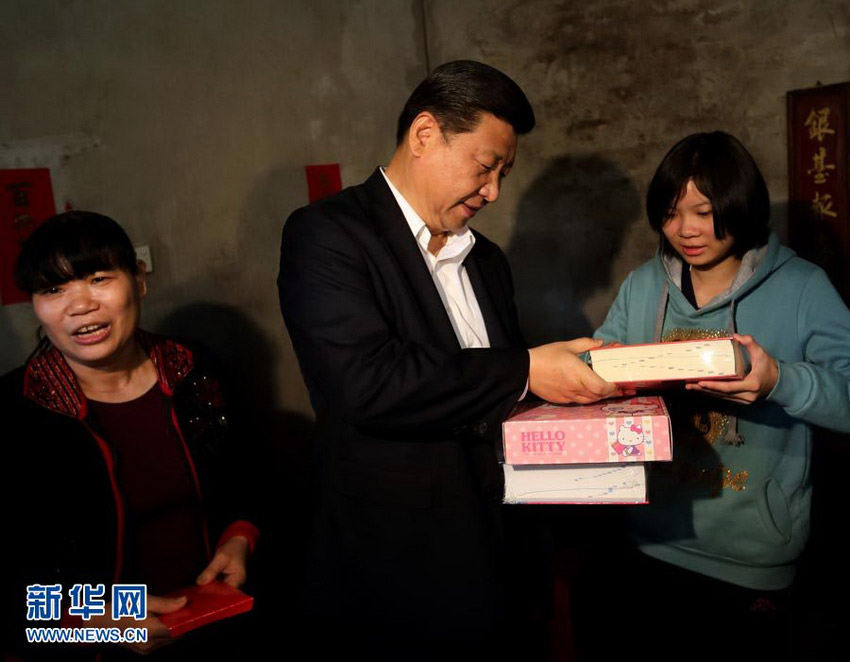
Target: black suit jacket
[(408, 534)]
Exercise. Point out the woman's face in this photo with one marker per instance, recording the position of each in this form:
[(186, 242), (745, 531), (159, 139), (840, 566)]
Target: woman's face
[(690, 231), (92, 320)]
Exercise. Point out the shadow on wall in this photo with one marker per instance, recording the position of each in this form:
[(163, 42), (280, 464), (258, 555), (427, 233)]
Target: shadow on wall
[(19, 333), (276, 447), (570, 226), (236, 343), (245, 358)]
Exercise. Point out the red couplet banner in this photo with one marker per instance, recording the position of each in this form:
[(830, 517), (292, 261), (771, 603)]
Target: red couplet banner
[(26, 201)]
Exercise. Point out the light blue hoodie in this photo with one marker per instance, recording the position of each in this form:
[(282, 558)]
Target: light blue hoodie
[(734, 503)]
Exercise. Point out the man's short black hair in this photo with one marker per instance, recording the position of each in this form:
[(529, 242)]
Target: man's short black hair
[(458, 92), (724, 172), (73, 245)]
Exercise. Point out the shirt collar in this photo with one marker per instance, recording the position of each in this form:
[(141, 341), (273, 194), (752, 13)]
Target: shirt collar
[(458, 245)]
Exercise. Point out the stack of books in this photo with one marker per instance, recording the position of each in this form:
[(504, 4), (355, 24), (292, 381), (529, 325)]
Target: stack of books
[(584, 453)]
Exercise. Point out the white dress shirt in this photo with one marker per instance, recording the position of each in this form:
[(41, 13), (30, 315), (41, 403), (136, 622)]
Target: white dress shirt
[(449, 275)]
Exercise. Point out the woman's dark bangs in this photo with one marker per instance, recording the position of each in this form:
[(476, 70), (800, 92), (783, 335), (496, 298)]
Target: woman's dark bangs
[(70, 246), (70, 261), (664, 195)]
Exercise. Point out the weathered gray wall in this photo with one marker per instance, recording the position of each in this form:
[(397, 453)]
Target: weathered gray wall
[(615, 83), (190, 123)]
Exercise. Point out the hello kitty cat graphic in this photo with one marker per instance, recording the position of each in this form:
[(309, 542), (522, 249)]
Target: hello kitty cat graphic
[(629, 440)]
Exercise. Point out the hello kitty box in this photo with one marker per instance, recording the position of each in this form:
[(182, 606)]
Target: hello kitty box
[(633, 429)]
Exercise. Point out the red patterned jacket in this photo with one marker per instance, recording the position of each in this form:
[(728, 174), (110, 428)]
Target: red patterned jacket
[(64, 515)]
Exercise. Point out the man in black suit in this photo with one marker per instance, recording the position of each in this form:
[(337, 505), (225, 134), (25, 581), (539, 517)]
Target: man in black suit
[(405, 328)]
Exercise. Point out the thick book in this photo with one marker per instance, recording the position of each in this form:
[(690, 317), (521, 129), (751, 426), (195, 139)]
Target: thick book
[(575, 484), (205, 604), (635, 429), (652, 365)]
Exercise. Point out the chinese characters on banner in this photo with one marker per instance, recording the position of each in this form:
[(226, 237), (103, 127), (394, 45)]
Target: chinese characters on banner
[(818, 221), (26, 201)]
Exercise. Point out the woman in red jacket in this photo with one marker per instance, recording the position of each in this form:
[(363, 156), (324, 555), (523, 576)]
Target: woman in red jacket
[(119, 455)]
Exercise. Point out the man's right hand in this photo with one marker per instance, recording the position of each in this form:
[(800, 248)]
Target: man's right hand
[(557, 374)]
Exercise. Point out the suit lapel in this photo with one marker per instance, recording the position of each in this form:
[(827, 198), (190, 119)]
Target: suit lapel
[(487, 293), (395, 232)]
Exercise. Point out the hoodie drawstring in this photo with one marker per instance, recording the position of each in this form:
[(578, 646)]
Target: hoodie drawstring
[(662, 311), (731, 436)]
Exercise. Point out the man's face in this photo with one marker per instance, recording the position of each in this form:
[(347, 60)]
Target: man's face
[(461, 173)]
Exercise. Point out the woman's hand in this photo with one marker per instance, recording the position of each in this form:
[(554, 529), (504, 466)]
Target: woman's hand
[(157, 631), (228, 562), (764, 372)]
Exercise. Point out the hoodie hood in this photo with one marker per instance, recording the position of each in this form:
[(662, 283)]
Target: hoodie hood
[(677, 319), (719, 313)]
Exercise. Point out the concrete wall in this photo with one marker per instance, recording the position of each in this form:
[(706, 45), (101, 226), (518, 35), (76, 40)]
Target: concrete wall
[(615, 83), (190, 123)]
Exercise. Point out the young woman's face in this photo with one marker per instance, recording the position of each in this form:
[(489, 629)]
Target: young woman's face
[(690, 231), (92, 320)]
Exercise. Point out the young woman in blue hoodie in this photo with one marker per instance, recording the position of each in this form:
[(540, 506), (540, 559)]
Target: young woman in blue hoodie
[(729, 517)]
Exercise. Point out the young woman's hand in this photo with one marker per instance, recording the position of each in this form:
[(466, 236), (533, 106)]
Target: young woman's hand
[(764, 372)]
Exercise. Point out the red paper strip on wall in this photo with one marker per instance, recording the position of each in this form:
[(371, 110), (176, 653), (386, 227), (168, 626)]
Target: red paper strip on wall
[(323, 180), (26, 201)]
